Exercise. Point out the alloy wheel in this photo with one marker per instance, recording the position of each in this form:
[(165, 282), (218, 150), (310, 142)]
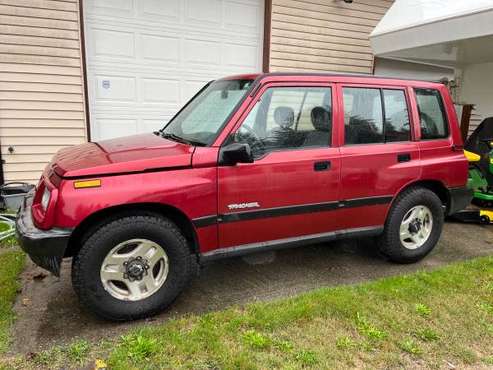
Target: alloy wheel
[(134, 270), (416, 227)]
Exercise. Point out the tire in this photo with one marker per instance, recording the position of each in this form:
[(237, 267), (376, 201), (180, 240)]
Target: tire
[(485, 220), (101, 297), (390, 242)]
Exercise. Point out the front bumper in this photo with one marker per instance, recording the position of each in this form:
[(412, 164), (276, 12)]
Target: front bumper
[(45, 247), (460, 198)]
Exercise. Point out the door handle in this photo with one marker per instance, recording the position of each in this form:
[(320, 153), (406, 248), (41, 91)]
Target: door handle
[(403, 157), (321, 166)]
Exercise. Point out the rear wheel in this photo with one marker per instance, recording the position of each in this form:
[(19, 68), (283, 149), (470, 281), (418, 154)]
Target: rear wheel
[(485, 220), (132, 267), (414, 225)]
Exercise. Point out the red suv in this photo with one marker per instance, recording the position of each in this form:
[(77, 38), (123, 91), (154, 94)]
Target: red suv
[(251, 163)]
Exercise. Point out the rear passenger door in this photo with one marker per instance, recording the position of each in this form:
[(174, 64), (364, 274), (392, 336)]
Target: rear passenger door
[(378, 155)]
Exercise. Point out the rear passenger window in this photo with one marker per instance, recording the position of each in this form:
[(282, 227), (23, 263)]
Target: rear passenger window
[(397, 126), (431, 114), (363, 115), (375, 115)]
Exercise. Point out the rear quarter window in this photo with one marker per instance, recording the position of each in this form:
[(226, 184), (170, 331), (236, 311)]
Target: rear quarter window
[(432, 118)]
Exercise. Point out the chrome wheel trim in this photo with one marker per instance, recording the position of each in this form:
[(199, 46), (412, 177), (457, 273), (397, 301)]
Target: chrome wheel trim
[(141, 252), (416, 227)]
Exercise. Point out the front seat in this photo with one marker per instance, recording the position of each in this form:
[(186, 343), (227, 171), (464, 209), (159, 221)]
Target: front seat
[(282, 136), (321, 118)]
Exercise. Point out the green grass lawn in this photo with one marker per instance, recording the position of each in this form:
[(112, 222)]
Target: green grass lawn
[(426, 320), (11, 264)]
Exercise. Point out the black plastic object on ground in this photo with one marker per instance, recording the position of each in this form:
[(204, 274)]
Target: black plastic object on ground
[(12, 194)]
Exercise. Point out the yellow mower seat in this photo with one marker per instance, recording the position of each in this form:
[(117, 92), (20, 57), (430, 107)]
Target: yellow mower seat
[(472, 157)]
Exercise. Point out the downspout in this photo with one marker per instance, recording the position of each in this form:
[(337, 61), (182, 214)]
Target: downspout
[(2, 178), (84, 68), (267, 36)]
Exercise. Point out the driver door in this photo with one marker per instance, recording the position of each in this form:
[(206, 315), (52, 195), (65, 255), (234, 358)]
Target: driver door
[(289, 193)]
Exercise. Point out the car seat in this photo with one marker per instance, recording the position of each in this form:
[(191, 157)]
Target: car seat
[(321, 121), (283, 135)]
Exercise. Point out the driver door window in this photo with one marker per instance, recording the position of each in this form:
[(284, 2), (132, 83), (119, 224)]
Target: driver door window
[(288, 118)]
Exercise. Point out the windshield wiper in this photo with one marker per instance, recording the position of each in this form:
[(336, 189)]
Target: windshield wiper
[(167, 135)]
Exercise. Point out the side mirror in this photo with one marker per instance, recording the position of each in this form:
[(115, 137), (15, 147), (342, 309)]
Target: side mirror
[(234, 153)]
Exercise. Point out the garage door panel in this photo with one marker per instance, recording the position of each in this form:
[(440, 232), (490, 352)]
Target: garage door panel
[(113, 8), (205, 12), (159, 9), (146, 58), (240, 55), (115, 88), (244, 15), (128, 126), (202, 52), (113, 43), (150, 125), (152, 91), (159, 48), (107, 127)]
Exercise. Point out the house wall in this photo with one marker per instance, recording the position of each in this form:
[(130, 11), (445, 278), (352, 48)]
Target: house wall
[(41, 84), (476, 88), (396, 68), (324, 35)]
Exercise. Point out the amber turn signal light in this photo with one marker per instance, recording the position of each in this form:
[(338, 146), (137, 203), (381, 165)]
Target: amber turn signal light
[(87, 184)]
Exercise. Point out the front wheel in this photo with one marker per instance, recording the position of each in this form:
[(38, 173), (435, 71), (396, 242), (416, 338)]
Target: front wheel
[(132, 267), (414, 225)]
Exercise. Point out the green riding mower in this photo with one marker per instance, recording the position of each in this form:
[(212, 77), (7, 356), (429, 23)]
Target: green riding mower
[(478, 150), (480, 145)]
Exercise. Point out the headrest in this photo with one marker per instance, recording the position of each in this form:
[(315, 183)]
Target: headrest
[(321, 119), (284, 116)]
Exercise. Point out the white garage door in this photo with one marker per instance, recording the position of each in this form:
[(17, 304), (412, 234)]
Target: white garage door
[(146, 58)]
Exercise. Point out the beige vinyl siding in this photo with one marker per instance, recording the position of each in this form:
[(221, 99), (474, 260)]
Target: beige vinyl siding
[(41, 86), (324, 36)]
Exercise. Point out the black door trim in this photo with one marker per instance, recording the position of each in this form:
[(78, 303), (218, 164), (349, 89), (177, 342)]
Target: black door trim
[(290, 210), (278, 212), (205, 221), (370, 201)]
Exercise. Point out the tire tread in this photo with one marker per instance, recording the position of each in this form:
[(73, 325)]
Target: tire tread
[(389, 242), (90, 242)]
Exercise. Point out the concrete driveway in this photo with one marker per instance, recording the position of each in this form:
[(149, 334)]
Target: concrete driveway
[(48, 311)]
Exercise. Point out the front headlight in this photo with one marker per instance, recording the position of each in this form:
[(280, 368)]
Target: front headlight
[(45, 199)]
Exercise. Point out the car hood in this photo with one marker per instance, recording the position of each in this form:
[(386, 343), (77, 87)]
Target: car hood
[(129, 154)]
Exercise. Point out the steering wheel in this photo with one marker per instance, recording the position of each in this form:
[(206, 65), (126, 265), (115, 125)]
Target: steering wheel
[(252, 139)]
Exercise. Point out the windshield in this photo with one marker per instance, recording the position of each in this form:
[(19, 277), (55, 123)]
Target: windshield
[(201, 120)]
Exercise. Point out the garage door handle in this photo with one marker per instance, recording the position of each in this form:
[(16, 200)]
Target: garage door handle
[(403, 157), (321, 166)]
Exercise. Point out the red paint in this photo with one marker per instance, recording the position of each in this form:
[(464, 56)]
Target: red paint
[(145, 169), (127, 154)]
